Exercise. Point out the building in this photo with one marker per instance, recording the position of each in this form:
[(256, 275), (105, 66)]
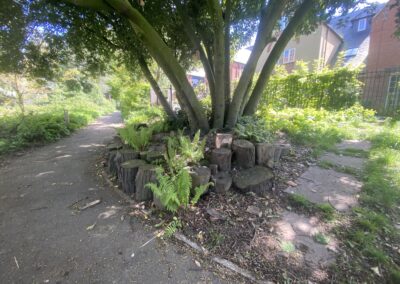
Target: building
[(322, 45), (355, 30), (382, 80)]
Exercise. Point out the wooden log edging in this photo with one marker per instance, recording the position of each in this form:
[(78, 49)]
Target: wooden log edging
[(221, 261)]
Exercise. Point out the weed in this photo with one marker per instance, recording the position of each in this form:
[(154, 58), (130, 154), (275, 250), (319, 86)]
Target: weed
[(321, 238), (172, 227), (287, 246)]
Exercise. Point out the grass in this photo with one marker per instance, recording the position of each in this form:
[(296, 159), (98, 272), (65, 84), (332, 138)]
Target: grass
[(44, 122), (325, 210), (343, 169), (371, 240)]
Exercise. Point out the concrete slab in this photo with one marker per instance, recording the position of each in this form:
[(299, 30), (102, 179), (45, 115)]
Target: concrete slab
[(354, 144), (344, 161), (300, 230), (328, 186)]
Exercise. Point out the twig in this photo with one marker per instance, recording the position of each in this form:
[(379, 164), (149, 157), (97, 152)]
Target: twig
[(90, 204), (16, 262)]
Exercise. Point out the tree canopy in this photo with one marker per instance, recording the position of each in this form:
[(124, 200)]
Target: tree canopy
[(173, 33)]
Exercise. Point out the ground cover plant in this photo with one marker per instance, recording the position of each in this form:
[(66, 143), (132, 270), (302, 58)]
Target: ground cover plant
[(46, 121)]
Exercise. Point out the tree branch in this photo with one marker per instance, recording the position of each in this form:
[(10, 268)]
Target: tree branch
[(269, 17), (276, 52)]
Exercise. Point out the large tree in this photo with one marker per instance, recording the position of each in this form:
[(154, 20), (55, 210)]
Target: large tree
[(171, 32)]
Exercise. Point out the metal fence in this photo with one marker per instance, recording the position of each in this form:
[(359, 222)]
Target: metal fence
[(381, 91)]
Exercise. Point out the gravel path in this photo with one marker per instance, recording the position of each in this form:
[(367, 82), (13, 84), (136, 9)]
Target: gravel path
[(44, 238)]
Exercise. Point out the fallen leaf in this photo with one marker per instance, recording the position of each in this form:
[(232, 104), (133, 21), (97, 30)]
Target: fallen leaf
[(91, 227)]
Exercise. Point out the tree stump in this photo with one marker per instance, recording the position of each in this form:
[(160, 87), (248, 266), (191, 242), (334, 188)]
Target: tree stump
[(223, 158), (155, 152), (128, 173), (114, 146), (223, 140), (213, 168), (111, 163), (146, 174), (200, 175), (265, 154), (124, 155), (258, 180), (244, 153), (222, 182)]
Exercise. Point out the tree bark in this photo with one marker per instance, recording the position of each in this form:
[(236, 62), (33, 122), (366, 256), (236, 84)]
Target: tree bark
[(269, 17), (167, 61), (219, 60), (146, 72), (146, 174), (227, 47), (276, 52)]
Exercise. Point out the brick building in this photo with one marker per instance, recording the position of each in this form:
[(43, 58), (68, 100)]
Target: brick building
[(383, 64)]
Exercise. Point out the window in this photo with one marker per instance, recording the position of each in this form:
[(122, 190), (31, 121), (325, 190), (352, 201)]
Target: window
[(362, 24), (351, 52), (289, 55)]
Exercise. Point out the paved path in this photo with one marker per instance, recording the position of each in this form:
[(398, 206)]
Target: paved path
[(44, 240), (322, 186)]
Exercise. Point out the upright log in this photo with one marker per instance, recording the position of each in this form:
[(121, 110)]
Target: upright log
[(200, 175), (146, 174), (244, 153), (124, 155), (128, 171), (111, 163), (223, 158), (265, 154)]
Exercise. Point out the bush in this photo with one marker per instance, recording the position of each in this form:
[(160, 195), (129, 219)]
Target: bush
[(45, 123), (332, 89)]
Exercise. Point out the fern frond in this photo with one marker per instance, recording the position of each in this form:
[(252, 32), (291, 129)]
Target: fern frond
[(199, 191)]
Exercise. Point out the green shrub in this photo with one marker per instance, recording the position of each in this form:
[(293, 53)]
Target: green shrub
[(253, 129), (331, 89)]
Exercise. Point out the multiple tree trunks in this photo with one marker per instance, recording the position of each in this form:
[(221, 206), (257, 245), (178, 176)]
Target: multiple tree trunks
[(128, 172), (145, 174), (244, 154), (223, 158)]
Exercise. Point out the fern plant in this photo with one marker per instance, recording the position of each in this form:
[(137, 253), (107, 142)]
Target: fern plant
[(172, 227), (173, 191), (137, 139), (191, 150)]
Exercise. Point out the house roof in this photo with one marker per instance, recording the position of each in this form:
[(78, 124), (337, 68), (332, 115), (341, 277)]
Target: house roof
[(357, 43)]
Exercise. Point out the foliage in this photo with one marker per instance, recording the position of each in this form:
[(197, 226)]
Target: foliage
[(137, 139), (321, 238), (174, 184), (44, 121), (332, 89), (287, 246), (172, 227), (253, 129), (320, 129), (170, 32), (191, 150), (173, 191)]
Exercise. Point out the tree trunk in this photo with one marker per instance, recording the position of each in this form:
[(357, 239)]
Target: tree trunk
[(227, 47), (276, 52), (112, 164), (146, 71), (219, 61), (270, 15)]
